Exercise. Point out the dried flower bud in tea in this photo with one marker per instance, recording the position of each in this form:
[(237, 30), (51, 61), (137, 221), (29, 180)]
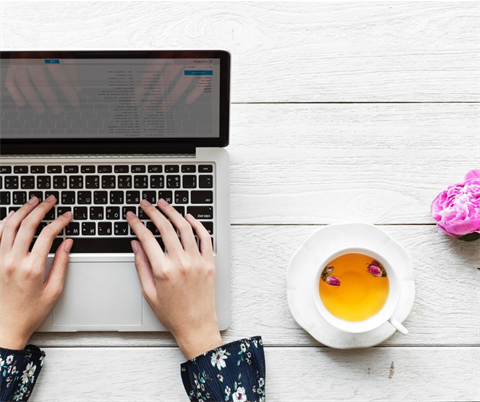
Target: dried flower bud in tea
[(376, 270)]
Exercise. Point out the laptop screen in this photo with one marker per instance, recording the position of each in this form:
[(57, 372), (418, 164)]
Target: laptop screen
[(164, 96)]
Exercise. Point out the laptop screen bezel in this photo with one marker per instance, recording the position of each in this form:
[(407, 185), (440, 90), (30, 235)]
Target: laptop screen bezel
[(109, 145)]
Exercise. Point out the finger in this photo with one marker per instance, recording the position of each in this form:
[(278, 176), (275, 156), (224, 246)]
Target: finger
[(44, 242), (150, 73), (144, 270), (203, 235), (28, 226), (60, 76), (177, 91), (23, 81), (169, 236), (163, 83), (12, 87), (12, 225), (56, 279), (41, 83), (184, 228), (195, 94), (4, 221), (146, 238)]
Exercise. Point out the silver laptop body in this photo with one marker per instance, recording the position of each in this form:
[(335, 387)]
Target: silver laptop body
[(120, 126)]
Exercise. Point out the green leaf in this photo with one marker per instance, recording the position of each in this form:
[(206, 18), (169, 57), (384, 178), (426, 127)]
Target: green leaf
[(470, 237)]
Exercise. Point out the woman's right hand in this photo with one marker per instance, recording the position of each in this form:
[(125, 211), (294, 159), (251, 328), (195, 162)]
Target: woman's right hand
[(179, 286)]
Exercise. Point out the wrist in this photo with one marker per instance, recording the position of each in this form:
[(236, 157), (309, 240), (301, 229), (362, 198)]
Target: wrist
[(199, 343)]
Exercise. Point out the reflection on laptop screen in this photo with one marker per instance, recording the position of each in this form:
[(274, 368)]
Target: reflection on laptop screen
[(110, 98)]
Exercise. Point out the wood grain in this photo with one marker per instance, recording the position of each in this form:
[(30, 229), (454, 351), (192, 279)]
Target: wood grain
[(293, 374), (282, 51), (445, 312)]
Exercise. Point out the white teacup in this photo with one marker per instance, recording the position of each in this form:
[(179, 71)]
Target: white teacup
[(386, 312)]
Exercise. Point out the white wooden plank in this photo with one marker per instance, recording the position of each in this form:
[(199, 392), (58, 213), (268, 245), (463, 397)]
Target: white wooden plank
[(282, 51), (445, 312), (293, 374)]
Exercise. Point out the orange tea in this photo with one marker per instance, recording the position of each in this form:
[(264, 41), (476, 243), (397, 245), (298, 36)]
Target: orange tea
[(354, 287)]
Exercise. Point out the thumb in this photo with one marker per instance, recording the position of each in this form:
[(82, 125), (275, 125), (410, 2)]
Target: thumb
[(54, 285), (144, 269)]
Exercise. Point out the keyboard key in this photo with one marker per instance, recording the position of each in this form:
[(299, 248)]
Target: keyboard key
[(201, 212), (50, 215), (104, 228), (1, 182), (189, 169), (121, 168), (4, 197), (151, 226), (113, 213), (72, 229), (108, 181), (84, 197), (20, 169), (60, 182), (205, 181), (173, 181), (104, 169), (140, 181), (3, 213), (154, 168), (68, 197), (56, 243), (92, 181), (96, 213), (150, 196), (116, 197), (166, 195), (70, 169), (43, 182), (181, 197), (180, 210), (87, 169), (156, 181), (55, 194), (38, 194), (39, 228), (6, 169), (205, 169), (54, 169), (88, 229), (133, 197), (129, 208), (120, 228), (172, 169), (19, 197), (100, 197), (208, 226), (80, 213), (37, 169), (62, 210), (189, 181), (106, 244), (76, 182), (141, 214), (125, 181), (11, 182), (27, 182), (202, 197), (138, 169)]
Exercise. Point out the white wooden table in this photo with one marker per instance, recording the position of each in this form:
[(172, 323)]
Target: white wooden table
[(341, 112)]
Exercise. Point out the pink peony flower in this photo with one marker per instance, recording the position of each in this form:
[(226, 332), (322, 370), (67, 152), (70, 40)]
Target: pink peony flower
[(457, 209)]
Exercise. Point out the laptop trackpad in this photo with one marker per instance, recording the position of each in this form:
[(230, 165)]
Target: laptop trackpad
[(100, 294)]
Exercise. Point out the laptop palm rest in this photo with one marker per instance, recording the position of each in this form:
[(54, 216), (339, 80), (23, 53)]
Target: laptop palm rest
[(100, 294)]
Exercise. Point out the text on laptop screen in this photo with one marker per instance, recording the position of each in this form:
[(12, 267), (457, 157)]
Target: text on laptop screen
[(110, 98)]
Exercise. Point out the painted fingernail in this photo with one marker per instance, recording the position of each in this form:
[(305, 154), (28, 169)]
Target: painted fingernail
[(134, 247), (163, 202), (32, 200), (68, 214), (50, 198), (68, 245), (145, 203), (130, 214)]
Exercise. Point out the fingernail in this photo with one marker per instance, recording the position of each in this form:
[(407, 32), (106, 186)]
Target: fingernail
[(68, 245), (163, 202), (51, 197), (134, 247), (68, 214), (189, 216), (145, 203), (130, 214), (32, 200), (9, 214)]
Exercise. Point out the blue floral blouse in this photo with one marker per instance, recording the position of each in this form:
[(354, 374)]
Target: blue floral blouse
[(232, 372)]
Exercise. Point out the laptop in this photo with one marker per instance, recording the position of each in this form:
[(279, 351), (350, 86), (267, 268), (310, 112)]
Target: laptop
[(102, 130)]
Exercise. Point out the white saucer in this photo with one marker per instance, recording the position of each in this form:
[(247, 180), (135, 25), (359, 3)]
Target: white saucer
[(305, 263)]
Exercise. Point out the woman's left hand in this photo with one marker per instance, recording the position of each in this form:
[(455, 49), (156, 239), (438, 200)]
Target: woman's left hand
[(25, 297)]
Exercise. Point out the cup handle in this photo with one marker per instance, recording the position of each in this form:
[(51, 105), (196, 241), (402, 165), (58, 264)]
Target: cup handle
[(398, 326)]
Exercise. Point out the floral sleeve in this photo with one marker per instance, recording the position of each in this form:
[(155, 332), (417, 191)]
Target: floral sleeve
[(232, 372), (19, 370)]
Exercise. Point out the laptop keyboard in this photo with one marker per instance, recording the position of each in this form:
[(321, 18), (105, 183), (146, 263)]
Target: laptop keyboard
[(99, 196)]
